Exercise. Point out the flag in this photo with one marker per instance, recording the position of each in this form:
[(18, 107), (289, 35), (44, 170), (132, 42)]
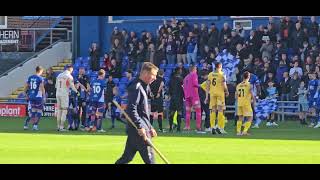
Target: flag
[(229, 63), (265, 107)]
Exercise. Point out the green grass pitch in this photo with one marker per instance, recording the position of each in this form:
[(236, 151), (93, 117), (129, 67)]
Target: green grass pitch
[(288, 143)]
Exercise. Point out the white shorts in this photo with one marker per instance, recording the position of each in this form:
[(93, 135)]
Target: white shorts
[(62, 102)]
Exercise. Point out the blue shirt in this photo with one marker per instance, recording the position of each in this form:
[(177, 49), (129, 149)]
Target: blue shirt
[(312, 86), (34, 92), (254, 81), (271, 91), (191, 45), (98, 87)]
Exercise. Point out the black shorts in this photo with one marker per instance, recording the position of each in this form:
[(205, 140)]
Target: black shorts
[(157, 105), (176, 106), (82, 102)]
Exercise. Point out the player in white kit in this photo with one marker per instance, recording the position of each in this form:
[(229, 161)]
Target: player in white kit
[(63, 84)]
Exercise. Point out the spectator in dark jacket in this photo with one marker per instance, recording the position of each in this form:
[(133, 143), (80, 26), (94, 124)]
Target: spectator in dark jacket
[(116, 34), (132, 54), (213, 40), (234, 40), (272, 33), (132, 38), (117, 51), (285, 87), (279, 50), (267, 49), (50, 85), (280, 70), (286, 28), (181, 49), (294, 85), (301, 22), (94, 53), (203, 38), (171, 50), (225, 32), (115, 70), (107, 62), (151, 53), (160, 53), (313, 31), (141, 56), (258, 67), (125, 38), (297, 38), (253, 43)]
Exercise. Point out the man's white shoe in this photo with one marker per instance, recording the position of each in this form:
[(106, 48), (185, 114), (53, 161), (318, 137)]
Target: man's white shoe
[(268, 124), (63, 130), (200, 132), (239, 134), (208, 129), (256, 126), (25, 127), (317, 126), (223, 131), (311, 125), (274, 124), (35, 128), (101, 131)]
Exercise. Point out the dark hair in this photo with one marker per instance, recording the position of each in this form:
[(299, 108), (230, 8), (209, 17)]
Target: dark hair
[(129, 71), (218, 65), (39, 68), (246, 75), (160, 72), (192, 67), (204, 72)]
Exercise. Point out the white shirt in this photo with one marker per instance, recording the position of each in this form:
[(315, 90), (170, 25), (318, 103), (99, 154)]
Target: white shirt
[(295, 69), (63, 84)]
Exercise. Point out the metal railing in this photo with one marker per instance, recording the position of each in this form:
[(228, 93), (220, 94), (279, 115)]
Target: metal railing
[(280, 112), (31, 37)]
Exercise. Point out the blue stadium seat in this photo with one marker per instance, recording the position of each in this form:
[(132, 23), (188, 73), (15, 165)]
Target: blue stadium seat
[(162, 66), (116, 80), (124, 80), (75, 73), (170, 66), (168, 72), (88, 72), (92, 78), (186, 66), (122, 85), (57, 73)]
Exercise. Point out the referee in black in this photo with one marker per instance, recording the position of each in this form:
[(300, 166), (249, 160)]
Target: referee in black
[(84, 80), (138, 111)]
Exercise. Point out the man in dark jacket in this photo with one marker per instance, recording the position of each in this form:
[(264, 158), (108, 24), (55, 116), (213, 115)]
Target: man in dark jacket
[(176, 98), (116, 34), (285, 87), (213, 40), (138, 111), (202, 94), (94, 57)]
